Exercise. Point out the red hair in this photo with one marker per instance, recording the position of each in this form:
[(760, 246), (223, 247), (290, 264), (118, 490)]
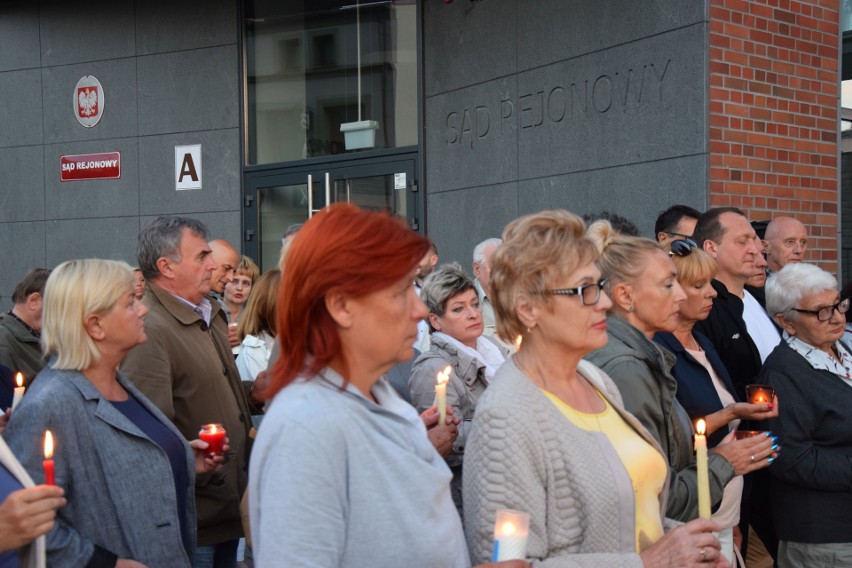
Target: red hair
[(340, 249)]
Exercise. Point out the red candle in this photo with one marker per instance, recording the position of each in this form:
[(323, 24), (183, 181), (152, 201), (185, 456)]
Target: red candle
[(214, 435), (49, 475)]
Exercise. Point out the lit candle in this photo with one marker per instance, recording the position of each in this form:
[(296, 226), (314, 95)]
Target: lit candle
[(757, 394), (518, 341), (214, 435), (441, 393), (19, 390), (49, 475), (703, 475), (511, 531)]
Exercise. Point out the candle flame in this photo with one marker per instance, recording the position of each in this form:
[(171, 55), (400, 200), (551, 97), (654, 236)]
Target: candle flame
[(518, 341), (700, 427), (213, 429), (509, 528), (19, 378), (48, 445), (444, 376)]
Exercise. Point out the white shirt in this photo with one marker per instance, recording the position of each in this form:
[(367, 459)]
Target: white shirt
[(759, 326)]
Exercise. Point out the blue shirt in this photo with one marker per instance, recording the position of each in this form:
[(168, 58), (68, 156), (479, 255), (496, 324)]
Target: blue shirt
[(8, 484)]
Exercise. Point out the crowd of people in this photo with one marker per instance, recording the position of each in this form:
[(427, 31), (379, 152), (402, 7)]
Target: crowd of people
[(191, 410)]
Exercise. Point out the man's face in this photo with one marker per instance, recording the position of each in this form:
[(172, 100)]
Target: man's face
[(736, 250), (482, 270), (192, 274), (227, 258), (427, 265), (786, 241)]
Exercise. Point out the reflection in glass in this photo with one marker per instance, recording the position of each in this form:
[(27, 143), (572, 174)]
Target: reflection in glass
[(302, 67)]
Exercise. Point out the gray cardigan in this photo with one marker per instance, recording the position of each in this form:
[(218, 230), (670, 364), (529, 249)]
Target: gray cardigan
[(642, 371), (523, 454), (117, 480)]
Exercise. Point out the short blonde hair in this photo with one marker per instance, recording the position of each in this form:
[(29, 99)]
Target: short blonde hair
[(75, 289), (697, 266), (622, 258), (247, 267), (538, 251)]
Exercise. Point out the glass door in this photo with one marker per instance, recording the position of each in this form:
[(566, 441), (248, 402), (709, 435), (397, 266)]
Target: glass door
[(275, 202)]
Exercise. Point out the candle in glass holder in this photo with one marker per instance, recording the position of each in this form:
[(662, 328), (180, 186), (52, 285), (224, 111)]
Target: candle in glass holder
[(49, 474), (757, 394), (441, 393), (214, 435), (702, 474), (743, 434), (511, 531), (19, 390)]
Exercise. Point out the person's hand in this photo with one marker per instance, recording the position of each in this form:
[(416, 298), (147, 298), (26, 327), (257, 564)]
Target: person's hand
[(506, 564), (232, 335), (4, 419), (759, 411), (205, 463), (442, 436), (127, 563), (692, 544), (748, 454), (27, 514)]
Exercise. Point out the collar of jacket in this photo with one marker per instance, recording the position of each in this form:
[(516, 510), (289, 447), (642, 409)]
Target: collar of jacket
[(179, 310), (467, 368), (18, 328), (724, 296), (654, 354)]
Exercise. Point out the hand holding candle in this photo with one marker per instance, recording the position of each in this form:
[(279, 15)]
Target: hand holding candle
[(511, 531), (757, 394), (214, 435), (49, 474), (19, 390), (702, 472), (441, 394)]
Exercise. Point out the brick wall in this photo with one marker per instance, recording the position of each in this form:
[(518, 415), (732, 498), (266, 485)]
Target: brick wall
[(774, 88)]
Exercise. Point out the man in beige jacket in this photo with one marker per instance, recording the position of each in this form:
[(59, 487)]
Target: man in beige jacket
[(187, 370)]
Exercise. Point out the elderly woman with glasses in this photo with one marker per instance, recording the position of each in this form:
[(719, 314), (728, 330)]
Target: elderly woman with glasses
[(456, 326), (551, 436), (646, 299), (704, 388), (812, 373)]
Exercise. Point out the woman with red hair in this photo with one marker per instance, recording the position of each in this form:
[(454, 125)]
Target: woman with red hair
[(342, 472)]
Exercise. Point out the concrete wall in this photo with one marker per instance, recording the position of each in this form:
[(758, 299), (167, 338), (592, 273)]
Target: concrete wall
[(169, 69), (579, 104)]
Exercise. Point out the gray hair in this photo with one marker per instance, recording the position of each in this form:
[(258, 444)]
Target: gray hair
[(443, 284), (479, 250), (787, 287), (162, 238)]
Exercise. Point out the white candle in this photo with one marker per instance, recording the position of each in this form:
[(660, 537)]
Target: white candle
[(511, 531), (441, 394), (703, 476), (19, 390)]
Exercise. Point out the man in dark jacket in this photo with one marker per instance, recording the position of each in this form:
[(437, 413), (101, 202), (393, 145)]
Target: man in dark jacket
[(20, 328)]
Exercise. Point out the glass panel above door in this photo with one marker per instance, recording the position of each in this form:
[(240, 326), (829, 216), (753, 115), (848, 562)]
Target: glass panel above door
[(329, 77)]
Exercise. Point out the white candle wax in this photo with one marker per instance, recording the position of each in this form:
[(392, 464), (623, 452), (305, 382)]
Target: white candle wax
[(19, 390), (702, 473), (441, 394)]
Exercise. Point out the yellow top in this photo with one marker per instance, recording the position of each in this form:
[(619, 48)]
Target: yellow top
[(644, 464)]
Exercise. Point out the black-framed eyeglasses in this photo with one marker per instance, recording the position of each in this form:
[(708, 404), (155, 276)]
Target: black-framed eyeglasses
[(824, 314), (589, 293), (679, 235), (682, 247)]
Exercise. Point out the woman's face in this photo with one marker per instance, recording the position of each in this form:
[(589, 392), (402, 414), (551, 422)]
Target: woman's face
[(381, 327), (237, 289), (656, 296), (566, 323), (820, 334), (462, 319), (124, 324), (138, 284), (698, 303)]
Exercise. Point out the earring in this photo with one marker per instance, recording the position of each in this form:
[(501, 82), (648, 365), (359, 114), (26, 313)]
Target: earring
[(630, 309)]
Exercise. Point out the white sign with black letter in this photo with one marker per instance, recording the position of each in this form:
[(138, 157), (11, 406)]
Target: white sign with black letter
[(188, 167)]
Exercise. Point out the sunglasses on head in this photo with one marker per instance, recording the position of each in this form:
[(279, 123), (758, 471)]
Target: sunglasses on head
[(682, 247)]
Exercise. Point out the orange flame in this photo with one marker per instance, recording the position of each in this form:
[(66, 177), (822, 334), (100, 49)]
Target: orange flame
[(48, 445), (518, 341), (19, 378), (700, 427), (444, 375)]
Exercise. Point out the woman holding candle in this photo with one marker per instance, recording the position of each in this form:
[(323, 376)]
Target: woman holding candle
[(646, 296), (551, 436), (704, 388), (368, 488), (457, 343), (812, 373), (128, 473)]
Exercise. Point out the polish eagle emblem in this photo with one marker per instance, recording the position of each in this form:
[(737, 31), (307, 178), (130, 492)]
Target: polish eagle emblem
[(87, 101)]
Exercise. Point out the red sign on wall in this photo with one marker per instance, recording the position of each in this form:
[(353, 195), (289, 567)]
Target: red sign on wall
[(106, 165)]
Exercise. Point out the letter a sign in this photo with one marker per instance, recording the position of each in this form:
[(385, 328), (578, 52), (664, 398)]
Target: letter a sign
[(188, 167)]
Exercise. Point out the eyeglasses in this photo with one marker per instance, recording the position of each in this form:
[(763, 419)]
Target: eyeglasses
[(824, 314), (682, 247), (679, 235), (589, 293)]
